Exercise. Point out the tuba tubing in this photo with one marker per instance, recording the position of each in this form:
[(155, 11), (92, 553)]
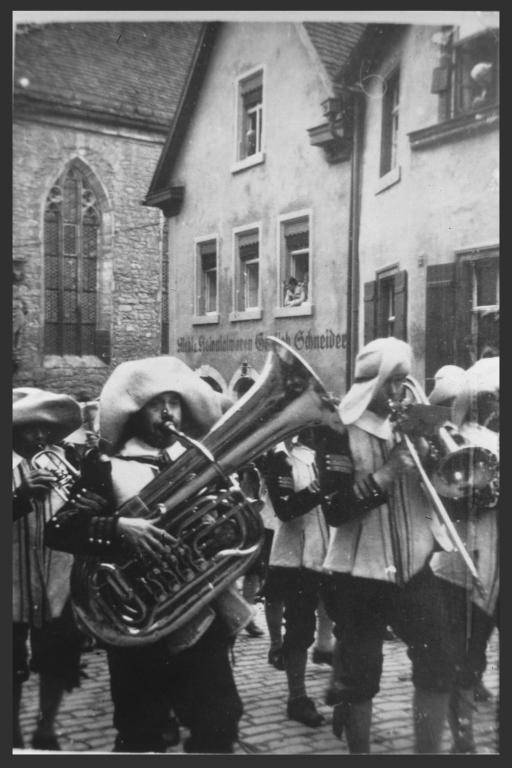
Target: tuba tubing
[(123, 604)]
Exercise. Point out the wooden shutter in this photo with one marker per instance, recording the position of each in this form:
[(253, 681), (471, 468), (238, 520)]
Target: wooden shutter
[(102, 345), (440, 318), (462, 312), (400, 291), (370, 307), (440, 79)]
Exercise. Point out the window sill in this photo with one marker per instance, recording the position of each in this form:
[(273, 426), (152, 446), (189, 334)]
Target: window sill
[(248, 314), (248, 162), (73, 361), (210, 319), (388, 180), (457, 128), (302, 309)]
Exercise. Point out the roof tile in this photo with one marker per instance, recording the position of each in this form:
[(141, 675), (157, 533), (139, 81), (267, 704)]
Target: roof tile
[(132, 68)]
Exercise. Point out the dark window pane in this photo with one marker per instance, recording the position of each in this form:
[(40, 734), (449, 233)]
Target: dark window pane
[(486, 272), (90, 240), (69, 339), (89, 275), (51, 306), (72, 195), (70, 239), (88, 308), (70, 274), (51, 233), (51, 272), (51, 338), (69, 306), (88, 332)]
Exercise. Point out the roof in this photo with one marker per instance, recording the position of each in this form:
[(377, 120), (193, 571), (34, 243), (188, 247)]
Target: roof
[(334, 43), (130, 70)]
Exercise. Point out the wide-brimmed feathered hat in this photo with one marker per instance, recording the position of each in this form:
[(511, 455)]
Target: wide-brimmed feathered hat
[(376, 362), (60, 413), (132, 384), (483, 376), (447, 382)]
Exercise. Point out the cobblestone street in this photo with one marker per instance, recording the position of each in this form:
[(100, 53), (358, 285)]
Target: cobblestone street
[(85, 719)]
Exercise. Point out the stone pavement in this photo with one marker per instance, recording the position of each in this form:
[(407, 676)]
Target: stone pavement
[(85, 718)]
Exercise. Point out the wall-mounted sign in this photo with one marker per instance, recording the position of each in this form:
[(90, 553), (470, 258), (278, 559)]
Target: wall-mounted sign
[(301, 340)]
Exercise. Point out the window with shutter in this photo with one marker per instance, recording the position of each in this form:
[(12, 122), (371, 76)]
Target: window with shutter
[(467, 79), (462, 310)]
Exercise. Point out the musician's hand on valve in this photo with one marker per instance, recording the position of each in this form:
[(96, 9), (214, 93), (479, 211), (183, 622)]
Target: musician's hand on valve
[(400, 462), (36, 483), (143, 538), (89, 502)]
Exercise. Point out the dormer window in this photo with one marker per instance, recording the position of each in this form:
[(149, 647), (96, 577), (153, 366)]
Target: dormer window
[(251, 114), (249, 122)]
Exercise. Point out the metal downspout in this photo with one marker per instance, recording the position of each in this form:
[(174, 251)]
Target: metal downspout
[(353, 252)]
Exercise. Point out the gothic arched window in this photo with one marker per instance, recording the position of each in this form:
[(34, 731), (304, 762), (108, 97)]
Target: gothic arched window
[(72, 223)]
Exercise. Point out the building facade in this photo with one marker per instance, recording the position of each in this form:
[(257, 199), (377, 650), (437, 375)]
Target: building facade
[(361, 160), (429, 220), (260, 205), (92, 106)]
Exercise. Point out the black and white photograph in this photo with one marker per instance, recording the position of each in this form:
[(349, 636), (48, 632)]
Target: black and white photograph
[(255, 383)]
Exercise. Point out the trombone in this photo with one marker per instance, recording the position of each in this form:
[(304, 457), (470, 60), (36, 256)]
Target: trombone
[(399, 412)]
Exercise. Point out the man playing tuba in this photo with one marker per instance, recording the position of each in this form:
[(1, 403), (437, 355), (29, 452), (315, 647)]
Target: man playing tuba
[(137, 403)]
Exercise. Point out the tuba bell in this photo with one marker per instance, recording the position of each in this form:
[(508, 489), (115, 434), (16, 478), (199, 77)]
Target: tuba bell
[(217, 534)]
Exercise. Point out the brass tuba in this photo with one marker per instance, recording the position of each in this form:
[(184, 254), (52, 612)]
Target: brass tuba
[(217, 534)]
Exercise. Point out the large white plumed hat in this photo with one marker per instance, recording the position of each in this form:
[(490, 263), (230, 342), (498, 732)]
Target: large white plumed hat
[(60, 413), (132, 384), (375, 363), (447, 382), (483, 376)]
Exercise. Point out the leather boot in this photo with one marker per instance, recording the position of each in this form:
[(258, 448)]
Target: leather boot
[(430, 710), (355, 720), (460, 718)]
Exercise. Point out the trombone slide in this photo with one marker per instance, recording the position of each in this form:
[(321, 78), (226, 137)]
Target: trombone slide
[(444, 517)]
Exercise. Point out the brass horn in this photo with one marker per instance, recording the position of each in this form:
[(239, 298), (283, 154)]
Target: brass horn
[(399, 413), (217, 533), (462, 468), (64, 473)]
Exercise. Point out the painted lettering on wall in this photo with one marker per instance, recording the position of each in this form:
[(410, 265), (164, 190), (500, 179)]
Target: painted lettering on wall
[(302, 340)]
